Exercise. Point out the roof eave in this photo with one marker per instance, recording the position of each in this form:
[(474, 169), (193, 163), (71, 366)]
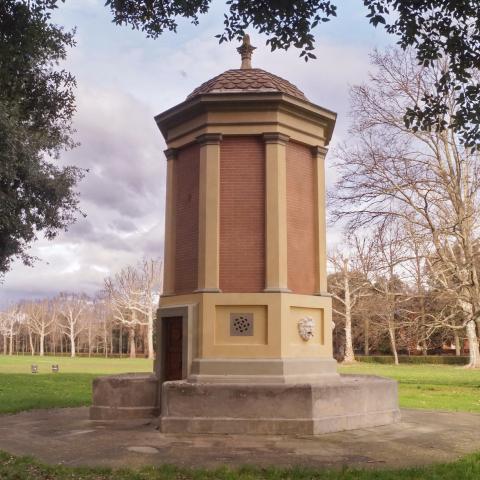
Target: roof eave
[(200, 104)]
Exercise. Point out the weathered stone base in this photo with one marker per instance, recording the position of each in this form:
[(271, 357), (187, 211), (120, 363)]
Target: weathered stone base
[(346, 403), (132, 395)]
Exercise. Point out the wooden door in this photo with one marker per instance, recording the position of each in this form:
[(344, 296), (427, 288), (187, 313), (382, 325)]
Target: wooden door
[(173, 344)]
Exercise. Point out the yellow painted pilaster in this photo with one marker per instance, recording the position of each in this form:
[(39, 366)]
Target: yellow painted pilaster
[(319, 154), (276, 212), (169, 243), (209, 213)]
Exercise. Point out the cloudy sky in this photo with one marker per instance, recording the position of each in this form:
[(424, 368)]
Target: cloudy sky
[(124, 79)]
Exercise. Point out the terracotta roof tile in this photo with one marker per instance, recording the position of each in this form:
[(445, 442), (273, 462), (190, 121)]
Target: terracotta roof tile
[(247, 80)]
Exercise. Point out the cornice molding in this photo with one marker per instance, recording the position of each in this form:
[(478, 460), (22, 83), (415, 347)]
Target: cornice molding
[(319, 151), (209, 139), (171, 153), (276, 137)]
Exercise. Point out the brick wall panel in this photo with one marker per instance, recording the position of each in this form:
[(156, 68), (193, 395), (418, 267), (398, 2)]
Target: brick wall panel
[(242, 214), (186, 218), (300, 219)]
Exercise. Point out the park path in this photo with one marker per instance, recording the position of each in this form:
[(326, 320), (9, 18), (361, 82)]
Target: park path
[(67, 436)]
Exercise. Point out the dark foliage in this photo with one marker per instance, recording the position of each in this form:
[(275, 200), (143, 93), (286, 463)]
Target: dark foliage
[(36, 107), (439, 29)]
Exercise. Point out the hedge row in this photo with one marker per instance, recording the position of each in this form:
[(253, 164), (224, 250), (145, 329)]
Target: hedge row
[(417, 359)]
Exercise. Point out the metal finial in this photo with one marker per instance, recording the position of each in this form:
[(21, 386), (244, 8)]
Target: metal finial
[(246, 50)]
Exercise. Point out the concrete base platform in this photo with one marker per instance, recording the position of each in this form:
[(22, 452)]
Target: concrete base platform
[(130, 395), (68, 437), (345, 403)]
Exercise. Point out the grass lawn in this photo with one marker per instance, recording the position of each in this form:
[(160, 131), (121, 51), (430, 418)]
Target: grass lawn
[(71, 387), (99, 366), (442, 387), (432, 387)]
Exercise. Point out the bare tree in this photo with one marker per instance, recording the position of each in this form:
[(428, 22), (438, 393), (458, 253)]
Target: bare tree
[(388, 250), (133, 294), (428, 178), (70, 308), (151, 284), (10, 323), (347, 285), (122, 292), (418, 321), (103, 317), (40, 318), (4, 331)]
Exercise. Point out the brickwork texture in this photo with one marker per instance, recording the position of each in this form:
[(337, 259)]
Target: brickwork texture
[(300, 219), (186, 218), (242, 214)]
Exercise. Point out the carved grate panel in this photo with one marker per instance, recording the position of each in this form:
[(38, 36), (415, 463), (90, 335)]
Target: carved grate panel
[(241, 324)]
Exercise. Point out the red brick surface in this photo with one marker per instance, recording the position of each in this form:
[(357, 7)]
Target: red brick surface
[(186, 173), (300, 219), (242, 214)]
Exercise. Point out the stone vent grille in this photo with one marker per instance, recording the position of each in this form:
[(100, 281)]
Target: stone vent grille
[(241, 324)]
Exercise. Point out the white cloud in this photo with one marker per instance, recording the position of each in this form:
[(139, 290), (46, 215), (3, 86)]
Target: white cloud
[(122, 195)]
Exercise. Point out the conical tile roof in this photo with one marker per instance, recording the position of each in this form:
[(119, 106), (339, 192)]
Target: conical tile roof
[(247, 80)]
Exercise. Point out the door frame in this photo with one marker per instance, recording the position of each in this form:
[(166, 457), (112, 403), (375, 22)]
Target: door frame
[(188, 314)]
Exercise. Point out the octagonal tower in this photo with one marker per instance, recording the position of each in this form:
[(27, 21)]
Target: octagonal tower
[(244, 311), (245, 230)]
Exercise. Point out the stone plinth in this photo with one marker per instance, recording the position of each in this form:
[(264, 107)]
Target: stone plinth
[(132, 395), (348, 403)]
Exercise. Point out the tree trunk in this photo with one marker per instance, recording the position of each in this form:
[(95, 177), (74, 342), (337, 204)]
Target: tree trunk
[(30, 339), (458, 349), (89, 339), (72, 344), (131, 338), (473, 346), (366, 335), (150, 336), (120, 342), (393, 343), (42, 343), (349, 353), (105, 342), (423, 315), (10, 345)]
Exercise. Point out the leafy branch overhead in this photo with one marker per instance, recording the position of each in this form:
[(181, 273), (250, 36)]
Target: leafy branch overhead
[(435, 29)]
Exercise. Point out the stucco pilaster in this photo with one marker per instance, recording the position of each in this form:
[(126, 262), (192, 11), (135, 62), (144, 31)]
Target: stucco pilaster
[(319, 154), (169, 241), (209, 213), (276, 212)]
